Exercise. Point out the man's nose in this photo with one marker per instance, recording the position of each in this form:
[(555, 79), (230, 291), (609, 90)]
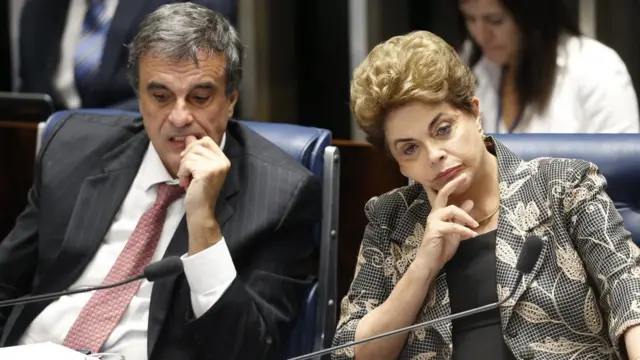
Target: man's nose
[(180, 116)]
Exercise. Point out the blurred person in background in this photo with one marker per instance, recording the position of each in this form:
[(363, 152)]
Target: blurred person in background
[(74, 50), (536, 73), (450, 241)]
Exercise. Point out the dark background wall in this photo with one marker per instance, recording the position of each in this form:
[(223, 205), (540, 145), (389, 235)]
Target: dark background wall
[(5, 47)]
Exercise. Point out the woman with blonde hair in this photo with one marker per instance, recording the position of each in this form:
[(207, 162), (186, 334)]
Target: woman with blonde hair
[(449, 242)]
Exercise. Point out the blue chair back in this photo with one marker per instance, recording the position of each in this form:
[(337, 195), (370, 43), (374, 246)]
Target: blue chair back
[(617, 156), (312, 148)]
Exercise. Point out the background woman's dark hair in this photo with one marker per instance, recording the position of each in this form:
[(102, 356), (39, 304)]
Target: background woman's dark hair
[(541, 24)]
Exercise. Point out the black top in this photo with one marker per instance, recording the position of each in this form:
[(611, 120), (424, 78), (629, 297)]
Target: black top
[(471, 277)]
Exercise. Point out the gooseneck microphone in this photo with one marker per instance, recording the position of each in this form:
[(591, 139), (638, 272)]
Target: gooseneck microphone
[(526, 261), (160, 269)]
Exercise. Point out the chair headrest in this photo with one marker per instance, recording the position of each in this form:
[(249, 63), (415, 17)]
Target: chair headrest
[(617, 156), (303, 143)]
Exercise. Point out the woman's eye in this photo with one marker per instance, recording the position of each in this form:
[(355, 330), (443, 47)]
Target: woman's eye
[(496, 21), (409, 149), (443, 130)]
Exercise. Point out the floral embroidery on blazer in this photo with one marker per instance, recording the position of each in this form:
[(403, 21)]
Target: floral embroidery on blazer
[(581, 296)]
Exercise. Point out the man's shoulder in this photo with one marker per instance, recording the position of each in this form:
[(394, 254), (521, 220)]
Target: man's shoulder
[(86, 132), (265, 168), (96, 122), (257, 148)]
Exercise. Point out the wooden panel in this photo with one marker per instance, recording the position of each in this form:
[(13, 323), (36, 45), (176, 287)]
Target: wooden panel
[(364, 173)]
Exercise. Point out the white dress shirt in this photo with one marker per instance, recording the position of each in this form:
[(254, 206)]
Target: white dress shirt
[(209, 273), (593, 93), (64, 78)]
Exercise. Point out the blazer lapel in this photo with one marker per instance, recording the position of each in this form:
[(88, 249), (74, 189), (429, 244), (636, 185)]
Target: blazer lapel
[(179, 245), (98, 201), (405, 242), (523, 212)]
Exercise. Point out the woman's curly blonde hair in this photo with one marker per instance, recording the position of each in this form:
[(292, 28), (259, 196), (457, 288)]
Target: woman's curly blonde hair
[(418, 66)]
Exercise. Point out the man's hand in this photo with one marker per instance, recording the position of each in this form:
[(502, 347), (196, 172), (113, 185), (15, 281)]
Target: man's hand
[(202, 173)]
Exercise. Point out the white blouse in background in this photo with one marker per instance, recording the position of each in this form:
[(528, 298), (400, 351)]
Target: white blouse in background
[(593, 93)]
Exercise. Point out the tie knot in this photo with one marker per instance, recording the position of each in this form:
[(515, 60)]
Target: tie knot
[(167, 194)]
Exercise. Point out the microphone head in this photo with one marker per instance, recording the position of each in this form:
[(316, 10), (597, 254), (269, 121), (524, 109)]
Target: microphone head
[(166, 267), (530, 253)]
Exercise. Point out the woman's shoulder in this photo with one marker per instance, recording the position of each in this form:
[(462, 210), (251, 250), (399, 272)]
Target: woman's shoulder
[(582, 54), (388, 208), (550, 169)]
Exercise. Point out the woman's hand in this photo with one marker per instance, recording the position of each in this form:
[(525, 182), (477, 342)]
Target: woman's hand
[(446, 226)]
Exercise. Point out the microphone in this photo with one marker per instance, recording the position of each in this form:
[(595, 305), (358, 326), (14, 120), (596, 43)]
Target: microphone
[(166, 267), (526, 261), (160, 269)]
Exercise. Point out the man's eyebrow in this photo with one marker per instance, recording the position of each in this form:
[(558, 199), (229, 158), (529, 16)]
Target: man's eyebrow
[(154, 85), (207, 85)]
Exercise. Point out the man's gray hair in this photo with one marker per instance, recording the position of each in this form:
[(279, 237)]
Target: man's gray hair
[(180, 31)]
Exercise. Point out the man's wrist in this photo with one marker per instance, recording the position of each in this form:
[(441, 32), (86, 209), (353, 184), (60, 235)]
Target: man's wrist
[(204, 231)]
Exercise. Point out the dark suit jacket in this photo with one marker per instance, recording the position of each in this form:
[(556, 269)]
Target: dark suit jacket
[(576, 303), (267, 209), (42, 26)]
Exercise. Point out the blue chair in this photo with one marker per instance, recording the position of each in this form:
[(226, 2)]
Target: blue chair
[(617, 156), (311, 147)]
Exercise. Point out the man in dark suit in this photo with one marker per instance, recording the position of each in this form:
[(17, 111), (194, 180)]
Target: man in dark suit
[(109, 198), (74, 50)]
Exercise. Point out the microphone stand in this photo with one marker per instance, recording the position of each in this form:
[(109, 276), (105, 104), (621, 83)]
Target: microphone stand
[(44, 297), (416, 326)]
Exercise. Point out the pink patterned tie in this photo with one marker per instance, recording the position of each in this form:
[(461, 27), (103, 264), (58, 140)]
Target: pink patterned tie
[(105, 308)]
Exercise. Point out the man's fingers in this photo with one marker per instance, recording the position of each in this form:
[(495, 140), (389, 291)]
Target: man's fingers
[(185, 181), (190, 139), (206, 143), (184, 174)]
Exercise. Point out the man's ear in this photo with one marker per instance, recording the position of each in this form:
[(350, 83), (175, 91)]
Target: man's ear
[(232, 100)]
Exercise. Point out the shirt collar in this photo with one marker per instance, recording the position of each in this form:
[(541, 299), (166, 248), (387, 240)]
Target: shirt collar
[(152, 170)]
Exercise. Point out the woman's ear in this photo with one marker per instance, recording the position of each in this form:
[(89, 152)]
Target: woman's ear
[(476, 107), (476, 114)]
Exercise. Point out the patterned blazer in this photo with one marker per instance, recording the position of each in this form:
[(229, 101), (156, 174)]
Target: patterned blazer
[(581, 296)]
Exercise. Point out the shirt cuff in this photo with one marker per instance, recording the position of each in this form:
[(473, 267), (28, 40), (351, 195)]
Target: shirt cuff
[(209, 274)]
